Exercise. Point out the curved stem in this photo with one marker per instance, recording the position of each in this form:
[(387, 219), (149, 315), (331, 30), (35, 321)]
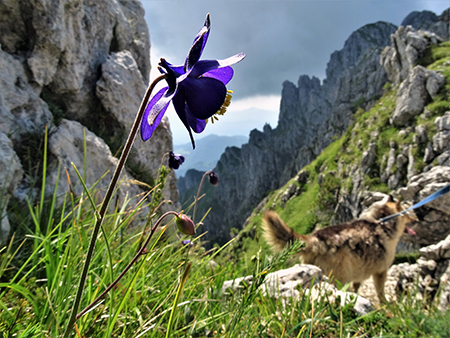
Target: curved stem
[(198, 194), (139, 253), (106, 201)]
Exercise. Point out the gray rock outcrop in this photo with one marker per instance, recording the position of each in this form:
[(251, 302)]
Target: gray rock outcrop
[(417, 86), (66, 144), (73, 66), (407, 46), (434, 216), (426, 279), (415, 92), (290, 283)]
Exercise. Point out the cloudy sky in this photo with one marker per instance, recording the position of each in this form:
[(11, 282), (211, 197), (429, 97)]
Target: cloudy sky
[(282, 39)]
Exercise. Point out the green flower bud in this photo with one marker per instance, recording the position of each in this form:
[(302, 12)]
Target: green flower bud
[(185, 225)]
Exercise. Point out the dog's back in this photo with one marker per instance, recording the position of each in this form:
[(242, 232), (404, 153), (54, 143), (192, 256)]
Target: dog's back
[(350, 251)]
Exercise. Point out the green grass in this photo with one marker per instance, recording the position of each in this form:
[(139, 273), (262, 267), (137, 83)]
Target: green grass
[(35, 298), (172, 290)]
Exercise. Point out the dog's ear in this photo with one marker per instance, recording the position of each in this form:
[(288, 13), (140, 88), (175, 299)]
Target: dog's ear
[(391, 198)]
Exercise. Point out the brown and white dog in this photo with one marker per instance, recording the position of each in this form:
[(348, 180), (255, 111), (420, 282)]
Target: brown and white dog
[(350, 252)]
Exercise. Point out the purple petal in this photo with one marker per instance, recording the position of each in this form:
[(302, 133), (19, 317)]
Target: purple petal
[(204, 96), (154, 112), (198, 45), (185, 115), (204, 66), (179, 103), (177, 70), (196, 124), (222, 74)]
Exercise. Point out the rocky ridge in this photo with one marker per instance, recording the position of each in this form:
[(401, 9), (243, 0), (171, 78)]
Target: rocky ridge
[(311, 116), (73, 66), (398, 146)]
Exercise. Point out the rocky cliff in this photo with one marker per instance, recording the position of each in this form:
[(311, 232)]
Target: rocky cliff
[(80, 68), (313, 114)]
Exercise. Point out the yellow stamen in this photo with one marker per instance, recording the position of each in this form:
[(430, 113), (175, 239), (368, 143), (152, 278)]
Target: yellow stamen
[(223, 108)]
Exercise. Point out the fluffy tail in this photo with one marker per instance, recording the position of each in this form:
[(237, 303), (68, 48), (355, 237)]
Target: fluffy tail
[(276, 233)]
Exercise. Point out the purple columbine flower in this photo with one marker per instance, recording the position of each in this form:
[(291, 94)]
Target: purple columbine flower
[(197, 89), (175, 160)]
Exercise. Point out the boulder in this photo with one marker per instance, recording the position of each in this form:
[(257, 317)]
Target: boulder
[(414, 94), (289, 283), (66, 145)]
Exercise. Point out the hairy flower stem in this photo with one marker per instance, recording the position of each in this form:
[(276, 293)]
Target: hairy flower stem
[(198, 194), (106, 200), (140, 252)]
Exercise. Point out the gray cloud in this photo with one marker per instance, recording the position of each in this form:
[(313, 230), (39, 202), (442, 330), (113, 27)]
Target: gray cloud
[(282, 39)]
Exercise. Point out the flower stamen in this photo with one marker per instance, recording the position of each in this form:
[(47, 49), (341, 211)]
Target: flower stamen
[(226, 103)]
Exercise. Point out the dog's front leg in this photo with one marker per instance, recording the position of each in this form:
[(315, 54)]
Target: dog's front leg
[(379, 280)]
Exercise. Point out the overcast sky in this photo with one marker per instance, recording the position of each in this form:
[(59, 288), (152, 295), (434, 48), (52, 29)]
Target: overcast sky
[(282, 40)]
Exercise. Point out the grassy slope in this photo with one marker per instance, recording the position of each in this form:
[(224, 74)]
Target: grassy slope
[(314, 206)]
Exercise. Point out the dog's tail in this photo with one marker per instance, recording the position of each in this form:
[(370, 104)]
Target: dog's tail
[(276, 233)]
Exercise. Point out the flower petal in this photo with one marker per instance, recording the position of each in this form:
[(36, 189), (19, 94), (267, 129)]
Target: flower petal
[(170, 68), (204, 96), (198, 45), (224, 74), (179, 103), (196, 124), (185, 115), (204, 66), (154, 112)]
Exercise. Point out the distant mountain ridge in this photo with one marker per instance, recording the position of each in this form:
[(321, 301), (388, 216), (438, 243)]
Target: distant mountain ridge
[(207, 152), (312, 115)]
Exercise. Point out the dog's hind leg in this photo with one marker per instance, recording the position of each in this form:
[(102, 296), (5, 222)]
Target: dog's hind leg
[(379, 280)]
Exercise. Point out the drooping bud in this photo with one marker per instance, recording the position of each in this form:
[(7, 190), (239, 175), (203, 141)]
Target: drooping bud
[(213, 178), (185, 225), (175, 160)]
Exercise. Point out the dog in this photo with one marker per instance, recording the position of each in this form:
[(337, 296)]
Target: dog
[(350, 252)]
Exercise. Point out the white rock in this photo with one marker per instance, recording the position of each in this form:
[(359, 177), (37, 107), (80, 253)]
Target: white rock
[(287, 283)]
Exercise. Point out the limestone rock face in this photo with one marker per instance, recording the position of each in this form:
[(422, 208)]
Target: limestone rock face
[(434, 216), (10, 177), (398, 168), (72, 66), (68, 41), (22, 111), (407, 46), (415, 93), (66, 144)]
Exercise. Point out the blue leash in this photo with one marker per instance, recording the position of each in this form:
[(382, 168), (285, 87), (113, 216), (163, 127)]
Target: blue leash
[(430, 198)]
